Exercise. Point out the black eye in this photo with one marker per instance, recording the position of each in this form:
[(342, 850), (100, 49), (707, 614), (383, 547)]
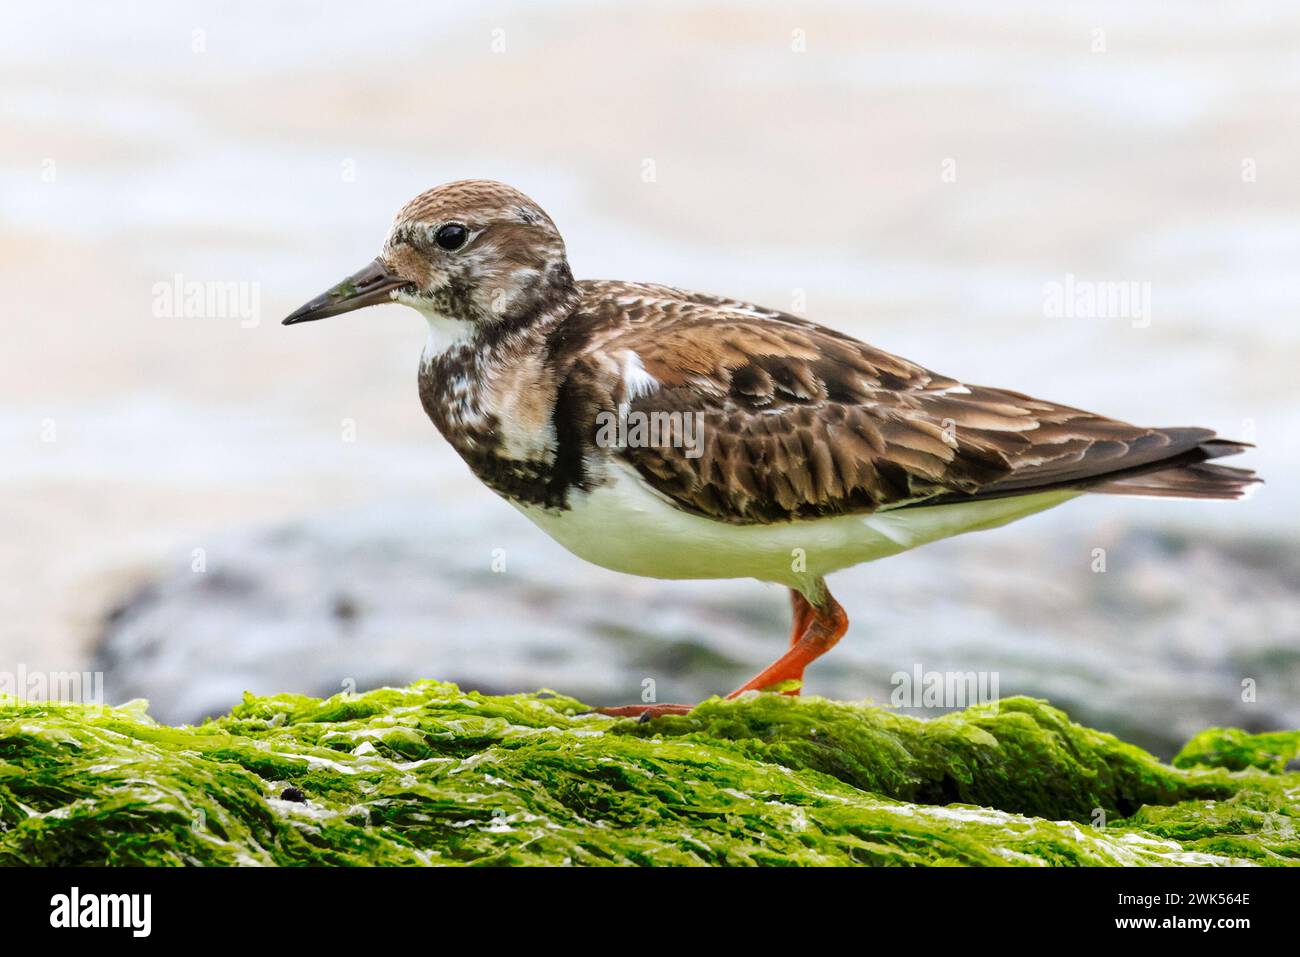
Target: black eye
[(451, 237)]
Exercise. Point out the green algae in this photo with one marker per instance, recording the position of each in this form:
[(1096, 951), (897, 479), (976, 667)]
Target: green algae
[(432, 775), (1237, 750)]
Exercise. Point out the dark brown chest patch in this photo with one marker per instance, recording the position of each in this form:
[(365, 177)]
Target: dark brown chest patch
[(453, 396)]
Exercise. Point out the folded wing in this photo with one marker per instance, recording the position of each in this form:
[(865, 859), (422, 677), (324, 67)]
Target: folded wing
[(790, 420)]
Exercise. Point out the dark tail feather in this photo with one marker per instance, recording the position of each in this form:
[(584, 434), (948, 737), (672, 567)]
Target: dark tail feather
[(1190, 479)]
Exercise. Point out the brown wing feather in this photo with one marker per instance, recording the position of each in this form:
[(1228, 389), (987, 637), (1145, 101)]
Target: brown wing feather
[(800, 421)]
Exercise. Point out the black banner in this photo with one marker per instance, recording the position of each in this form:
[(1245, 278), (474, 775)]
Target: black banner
[(650, 909)]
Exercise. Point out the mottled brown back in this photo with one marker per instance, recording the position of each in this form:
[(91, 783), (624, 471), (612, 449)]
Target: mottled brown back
[(801, 421)]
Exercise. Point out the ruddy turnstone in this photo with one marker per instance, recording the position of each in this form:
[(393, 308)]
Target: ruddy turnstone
[(676, 434)]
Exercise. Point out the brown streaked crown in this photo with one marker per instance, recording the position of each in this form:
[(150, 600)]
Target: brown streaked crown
[(484, 200)]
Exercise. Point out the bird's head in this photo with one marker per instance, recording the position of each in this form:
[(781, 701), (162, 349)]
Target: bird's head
[(472, 252)]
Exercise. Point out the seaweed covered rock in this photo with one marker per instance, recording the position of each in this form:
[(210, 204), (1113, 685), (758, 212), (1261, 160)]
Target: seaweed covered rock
[(432, 775), (1236, 750)]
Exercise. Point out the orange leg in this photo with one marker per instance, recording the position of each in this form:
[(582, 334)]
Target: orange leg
[(826, 626), (803, 616), (815, 630), (804, 613)]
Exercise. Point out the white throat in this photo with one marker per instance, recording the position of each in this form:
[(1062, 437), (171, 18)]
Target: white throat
[(445, 334)]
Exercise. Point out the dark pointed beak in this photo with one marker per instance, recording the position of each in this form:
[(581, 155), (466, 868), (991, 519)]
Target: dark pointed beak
[(368, 287)]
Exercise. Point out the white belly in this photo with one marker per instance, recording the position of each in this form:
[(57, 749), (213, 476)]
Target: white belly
[(625, 526)]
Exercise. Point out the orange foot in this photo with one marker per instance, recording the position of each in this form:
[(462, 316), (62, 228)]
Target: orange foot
[(816, 630), (644, 712)]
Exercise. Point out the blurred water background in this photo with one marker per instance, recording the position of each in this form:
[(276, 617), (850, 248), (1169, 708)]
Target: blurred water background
[(202, 505)]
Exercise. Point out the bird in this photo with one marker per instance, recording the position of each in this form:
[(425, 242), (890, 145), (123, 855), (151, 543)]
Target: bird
[(680, 435)]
